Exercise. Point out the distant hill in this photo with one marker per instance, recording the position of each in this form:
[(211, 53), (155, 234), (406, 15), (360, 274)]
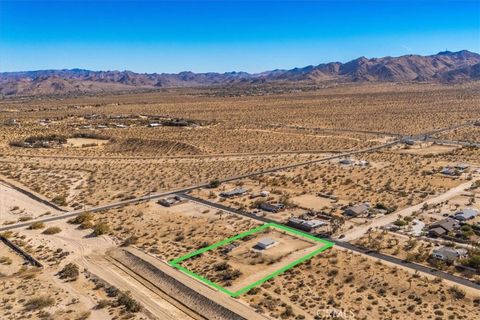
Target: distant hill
[(445, 67)]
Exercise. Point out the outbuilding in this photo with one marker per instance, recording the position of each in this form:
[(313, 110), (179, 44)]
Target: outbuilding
[(232, 193), (305, 225), (265, 243)]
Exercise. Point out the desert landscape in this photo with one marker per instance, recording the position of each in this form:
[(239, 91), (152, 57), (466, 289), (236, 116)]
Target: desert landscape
[(239, 160), (106, 168)]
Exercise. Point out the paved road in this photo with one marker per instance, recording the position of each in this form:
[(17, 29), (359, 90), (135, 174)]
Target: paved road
[(184, 190), (349, 246)]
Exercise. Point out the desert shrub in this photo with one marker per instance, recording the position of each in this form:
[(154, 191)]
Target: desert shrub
[(6, 234), (88, 224), (52, 137), (112, 291), (456, 292), (84, 315), (128, 302), (5, 260), (473, 261), (130, 240), (89, 135), (81, 218), (70, 271), (52, 230), (60, 200), (103, 304), (100, 229), (40, 302), (214, 184), (221, 266), (36, 225)]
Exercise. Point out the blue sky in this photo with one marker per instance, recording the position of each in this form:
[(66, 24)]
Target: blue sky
[(201, 36)]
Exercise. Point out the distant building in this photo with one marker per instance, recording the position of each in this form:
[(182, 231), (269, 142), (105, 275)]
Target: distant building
[(170, 201), (270, 207), (449, 171), (11, 122), (466, 214), (363, 163), (345, 161), (232, 193), (449, 254), (265, 243), (357, 210), (443, 227), (305, 225), (264, 193)]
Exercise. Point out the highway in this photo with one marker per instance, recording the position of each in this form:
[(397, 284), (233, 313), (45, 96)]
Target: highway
[(349, 246)]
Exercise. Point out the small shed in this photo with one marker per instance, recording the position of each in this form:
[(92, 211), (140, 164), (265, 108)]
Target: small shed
[(265, 243)]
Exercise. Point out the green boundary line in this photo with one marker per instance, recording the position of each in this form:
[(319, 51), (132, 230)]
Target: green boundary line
[(176, 262)]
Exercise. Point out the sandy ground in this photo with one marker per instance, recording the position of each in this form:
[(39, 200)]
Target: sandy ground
[(191, 209), (79, 142), (311, 201), (27, 207), (12, 261)]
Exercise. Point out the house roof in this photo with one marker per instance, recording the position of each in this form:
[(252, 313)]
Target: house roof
[(233, 192), (358, 209), (449, 253), (265, 242), (447, 224), (309, 223), (438, 230)]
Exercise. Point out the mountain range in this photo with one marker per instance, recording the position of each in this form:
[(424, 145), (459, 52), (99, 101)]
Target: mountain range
[(444, 67)]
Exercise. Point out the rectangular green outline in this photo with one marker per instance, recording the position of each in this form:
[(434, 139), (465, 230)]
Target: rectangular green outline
[(175, 262)]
